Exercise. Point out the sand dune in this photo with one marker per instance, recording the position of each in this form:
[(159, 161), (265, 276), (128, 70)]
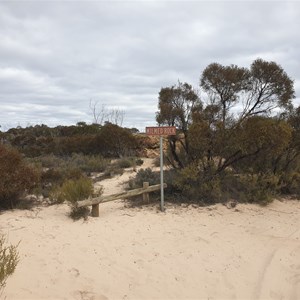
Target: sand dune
[(249, 252)]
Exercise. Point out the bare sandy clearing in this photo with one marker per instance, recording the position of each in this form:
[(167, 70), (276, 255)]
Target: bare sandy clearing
[(141, 253), (185, 253)]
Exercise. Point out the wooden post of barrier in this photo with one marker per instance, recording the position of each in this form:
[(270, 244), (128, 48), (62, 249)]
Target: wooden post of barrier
[(94, 202), (146, 195), (95, 210)]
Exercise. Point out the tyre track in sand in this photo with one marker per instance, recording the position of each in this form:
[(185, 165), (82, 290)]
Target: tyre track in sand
[(266, 283)]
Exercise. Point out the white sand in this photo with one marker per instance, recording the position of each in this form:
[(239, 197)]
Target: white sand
[(141, 253)]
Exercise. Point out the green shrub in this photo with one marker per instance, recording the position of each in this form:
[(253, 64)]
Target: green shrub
[(59, 169), (125, 163), (290, 183), (251, 188), (197, 186), (72, 173), (144, 175), (55, 177), (9, 258), (210, 187), (112, 171), (139, 162), (17, 177), (118, 166), (86, 163), (90, 163), (147, 175), (52, 176), (73, 191), (128, 162), (49, 161), (77, 213)]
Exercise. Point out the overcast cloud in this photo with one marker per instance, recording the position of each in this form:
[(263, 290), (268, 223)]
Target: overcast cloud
[(57, 56)]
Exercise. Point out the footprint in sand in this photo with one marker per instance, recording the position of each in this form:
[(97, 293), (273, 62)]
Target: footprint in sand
[(74, 272)]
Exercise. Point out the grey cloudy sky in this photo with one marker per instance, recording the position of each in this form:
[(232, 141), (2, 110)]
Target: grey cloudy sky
[(55, 56)]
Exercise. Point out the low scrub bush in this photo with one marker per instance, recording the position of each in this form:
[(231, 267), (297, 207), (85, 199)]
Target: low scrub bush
[(112, 171), (290, 183), (73, 191), (17, 177), (139, 162), (209, 188), (147, 175), (77, 213), (253, 188), (196, 187), (125, 163), (56, 170), (86, 163), (90, 163), (118, 166), (55, 177), (52, 176), (128, 162), (48, 161), (250, 188), (9, 258), (144, 175)]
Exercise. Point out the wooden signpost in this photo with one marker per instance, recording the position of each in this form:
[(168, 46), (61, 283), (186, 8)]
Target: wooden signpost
[(161, 131)]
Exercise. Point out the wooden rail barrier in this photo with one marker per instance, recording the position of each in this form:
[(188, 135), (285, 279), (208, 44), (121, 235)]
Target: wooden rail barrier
[(94, 202)]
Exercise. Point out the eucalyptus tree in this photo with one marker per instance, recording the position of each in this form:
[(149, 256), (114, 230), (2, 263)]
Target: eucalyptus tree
[(236, 101), (255, 91), (235, 98), (176, 107)]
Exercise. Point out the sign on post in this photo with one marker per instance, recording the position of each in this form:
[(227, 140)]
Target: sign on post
[(166, 130), (161, 131)]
